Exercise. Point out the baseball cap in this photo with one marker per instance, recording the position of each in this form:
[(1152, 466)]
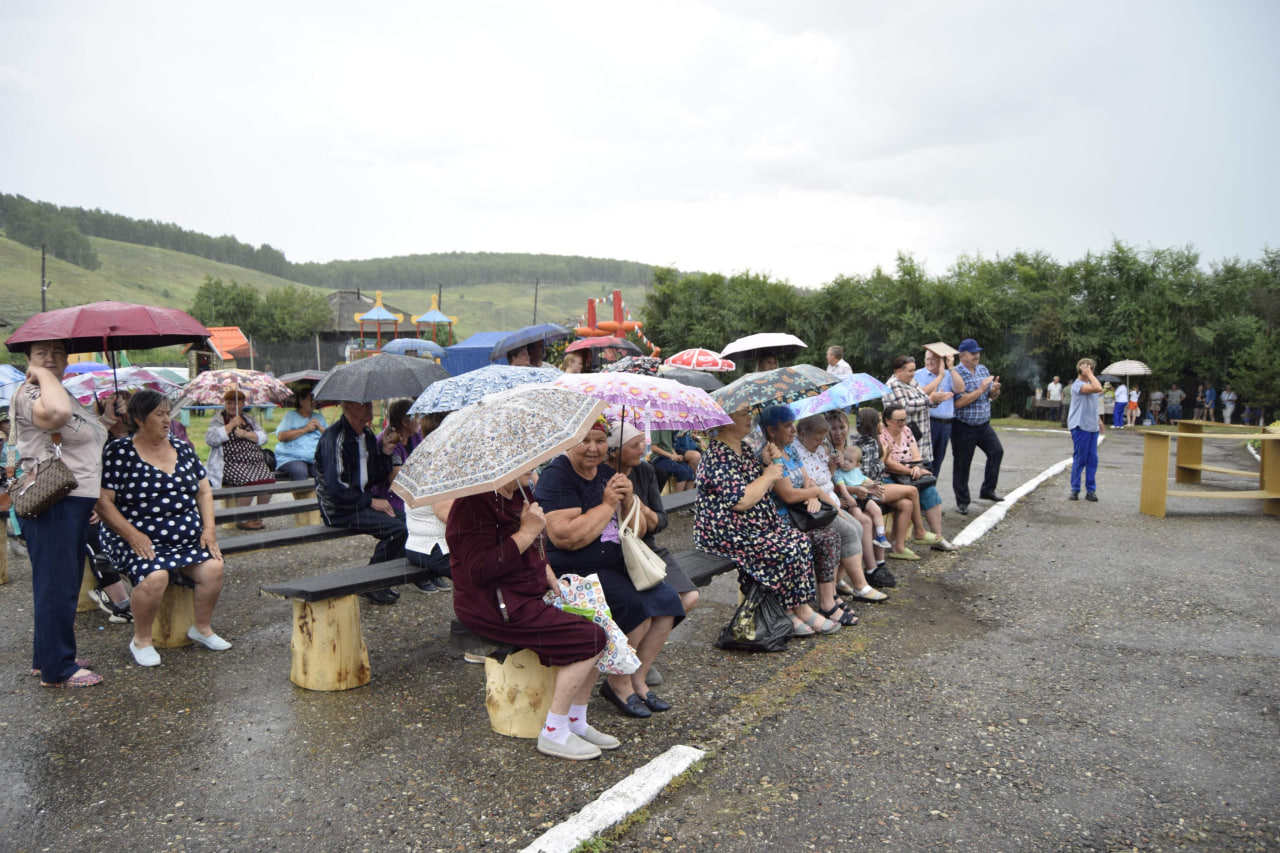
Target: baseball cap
[(969, 345)]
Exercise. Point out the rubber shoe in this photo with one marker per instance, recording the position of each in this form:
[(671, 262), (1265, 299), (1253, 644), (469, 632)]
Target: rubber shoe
[(213, 642), (943, 545), (963, 509), (443, 584), (598, 738), (574, 749), (1091, 496), (881, 578), (926, 538), (869, 594), (380, 596), (1074, 496), (904, 554), (427, 586), (472, 657), (145, 656), (653, 678)]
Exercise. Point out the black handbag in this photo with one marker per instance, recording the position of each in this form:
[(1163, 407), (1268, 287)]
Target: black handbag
[(806, 521), (922, 483), (760, 624)]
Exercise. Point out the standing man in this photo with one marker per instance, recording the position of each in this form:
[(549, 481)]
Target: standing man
[(1175, 397), (1082, 420), (972, 425), (935, 380), (349, 462), (1122, 403), (1055, 397), (836, 365)]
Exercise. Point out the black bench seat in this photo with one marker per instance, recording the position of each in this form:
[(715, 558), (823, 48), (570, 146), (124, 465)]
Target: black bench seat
[(279, 487), (352, 580), (260, 540), (231, 514)]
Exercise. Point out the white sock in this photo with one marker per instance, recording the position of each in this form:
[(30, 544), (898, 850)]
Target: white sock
[(577, 719), (556, 728), (879, 530)]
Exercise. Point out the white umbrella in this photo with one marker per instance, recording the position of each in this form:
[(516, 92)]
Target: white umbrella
[(750, 346), (1128, 367)]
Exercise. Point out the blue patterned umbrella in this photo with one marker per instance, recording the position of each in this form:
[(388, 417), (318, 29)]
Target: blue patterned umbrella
[(852, 390), (404, 346), (755, 391), (449, 395)]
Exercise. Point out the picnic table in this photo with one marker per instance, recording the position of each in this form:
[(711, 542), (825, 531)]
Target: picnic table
[(1189, 466)]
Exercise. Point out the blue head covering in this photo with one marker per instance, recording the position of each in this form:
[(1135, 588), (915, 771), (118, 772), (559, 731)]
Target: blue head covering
[(775, 416)]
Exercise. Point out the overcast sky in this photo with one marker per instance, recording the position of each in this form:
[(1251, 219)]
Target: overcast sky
[(805, 138)]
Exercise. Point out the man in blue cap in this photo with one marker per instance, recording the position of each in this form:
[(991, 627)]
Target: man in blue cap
[(972, 425)]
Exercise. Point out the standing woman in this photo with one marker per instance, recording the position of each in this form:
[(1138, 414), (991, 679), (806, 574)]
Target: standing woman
[(235, 452), (44, 414)]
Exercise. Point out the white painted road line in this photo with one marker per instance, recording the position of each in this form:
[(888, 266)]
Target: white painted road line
[(614, 805)]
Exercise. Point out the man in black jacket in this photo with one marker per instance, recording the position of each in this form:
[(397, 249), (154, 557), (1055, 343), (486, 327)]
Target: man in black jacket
[(349, 462)]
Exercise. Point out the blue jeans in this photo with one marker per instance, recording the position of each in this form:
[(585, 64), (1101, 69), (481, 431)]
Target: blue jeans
[(299, 470), (56, 545), (1117, 417), (1084, 456), (940, 435)]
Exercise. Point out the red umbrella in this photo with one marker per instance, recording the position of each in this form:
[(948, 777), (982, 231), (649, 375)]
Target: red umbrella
[(604, 350), (107, 326), (700, 359)]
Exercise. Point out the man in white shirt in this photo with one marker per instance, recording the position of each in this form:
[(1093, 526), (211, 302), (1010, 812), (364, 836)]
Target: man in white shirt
[(836, 365), (1055, 397), (1122, 402)]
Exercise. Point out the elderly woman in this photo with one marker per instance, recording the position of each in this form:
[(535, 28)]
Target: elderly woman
[(905, 499), (583, 499), (297, 437), (836, 546), (902, 457), (735, 518), (235, 452), (47, 421), (157, 509), (499, 583), (868, 497)]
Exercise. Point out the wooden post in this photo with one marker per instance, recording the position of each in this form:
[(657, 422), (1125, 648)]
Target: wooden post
[(328, 645), (518, 694), (1269, 474), (306, 519), (228, 503), (1190, 452), (1155, 472), (87, 582), (174, 618)]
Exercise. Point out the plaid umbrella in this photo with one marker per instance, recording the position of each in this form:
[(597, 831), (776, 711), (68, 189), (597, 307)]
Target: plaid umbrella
[(379, 377), (259, 388), (756, 390), (649, 401), (641, 365), (99, 384), (451, 394), (491, 441), (850, 391), (700, 359)]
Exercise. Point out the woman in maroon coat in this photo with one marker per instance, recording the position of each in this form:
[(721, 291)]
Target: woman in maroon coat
[(499, 581)]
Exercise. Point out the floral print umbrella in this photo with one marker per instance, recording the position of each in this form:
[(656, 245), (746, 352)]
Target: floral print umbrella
[(755, 391), (650, 402), (493, 440), (100, 384), (448, 395), (641, 365), (849, 392), (259, 388), (700, 359)]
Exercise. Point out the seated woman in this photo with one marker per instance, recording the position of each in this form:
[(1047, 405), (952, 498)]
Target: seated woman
[(675, 465), (298, 435), (866, 496), (735, 519), (235, 452), (500, 581), (109, 592), (630, 461), (902, 456), (583, 498), (905, 499), (157, 512), (426, 546)]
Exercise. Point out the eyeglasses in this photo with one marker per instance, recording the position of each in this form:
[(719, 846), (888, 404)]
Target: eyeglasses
[(897, 420)]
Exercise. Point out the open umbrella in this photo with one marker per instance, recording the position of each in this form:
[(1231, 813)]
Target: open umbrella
[(604, 350), (641, 365), (259, 388), (650, 401), (311, 376), (750, 348), (773, 387), (404, 346), (696, 378), (10, 378), (545, 333), (1128, 367), (100, 384), (84, 367), (451, 394), (700, 359), (849, 391), (379, 377), (489, 442)]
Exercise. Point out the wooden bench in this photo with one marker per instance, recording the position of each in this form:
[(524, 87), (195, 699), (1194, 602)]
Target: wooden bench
[(306, 510), (260, 540), (1189, 466), (329, 651)]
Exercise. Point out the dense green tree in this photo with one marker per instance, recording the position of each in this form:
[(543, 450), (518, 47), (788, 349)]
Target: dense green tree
[(234, 304), (293, 313)]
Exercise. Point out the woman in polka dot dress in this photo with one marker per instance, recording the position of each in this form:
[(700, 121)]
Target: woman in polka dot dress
[(157, 507)]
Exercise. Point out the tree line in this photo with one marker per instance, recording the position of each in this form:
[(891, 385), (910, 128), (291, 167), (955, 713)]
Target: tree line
[(1034, 316), (37, 224)]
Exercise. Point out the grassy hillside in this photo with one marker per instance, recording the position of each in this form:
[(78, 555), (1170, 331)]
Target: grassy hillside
[(131, 273)]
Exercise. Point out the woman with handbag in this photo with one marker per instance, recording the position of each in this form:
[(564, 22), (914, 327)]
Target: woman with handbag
[(51, 425), (905, 499), (583, 499), (902, 461), (235, 452)]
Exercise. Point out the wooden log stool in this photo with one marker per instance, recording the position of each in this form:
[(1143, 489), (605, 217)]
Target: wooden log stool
[(174, 618), (327, 645), (518, 693)]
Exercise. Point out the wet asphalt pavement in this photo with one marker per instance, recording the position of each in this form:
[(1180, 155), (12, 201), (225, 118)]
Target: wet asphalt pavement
[(1083, 678)]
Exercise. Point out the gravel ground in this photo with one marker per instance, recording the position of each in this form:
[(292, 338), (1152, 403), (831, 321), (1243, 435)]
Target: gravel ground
[(1084, 678)]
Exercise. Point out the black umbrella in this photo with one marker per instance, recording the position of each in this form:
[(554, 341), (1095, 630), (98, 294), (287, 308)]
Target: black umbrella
[(1107, 377), (543, 332), (696, 378), (379, 377)]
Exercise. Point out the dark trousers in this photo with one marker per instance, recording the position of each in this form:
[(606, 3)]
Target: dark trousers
[(389, 530), (436, 561), (940, 435), (964, 438), (56, 545), (1084, 458), (298, 470)]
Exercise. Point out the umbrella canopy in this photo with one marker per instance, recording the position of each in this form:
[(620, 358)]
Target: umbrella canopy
[(99, 384), (545, 333), (1128, 367), (750, 348), (302, 376), (700, 359), (641, 365), (696, 378), (605, 350), (10, 378), (1109, 377), (783, 385), (84, 367), (379, 377), (259, 388), (451, 394), (649, 401), (489, 442), (849, 391), (109, 326), (404, 346)]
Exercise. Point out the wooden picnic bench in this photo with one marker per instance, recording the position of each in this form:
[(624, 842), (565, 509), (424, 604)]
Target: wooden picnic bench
[(304, 507), (1189, 466)]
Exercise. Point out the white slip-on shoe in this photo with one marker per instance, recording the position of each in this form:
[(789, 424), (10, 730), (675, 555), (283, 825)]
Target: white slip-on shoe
[(595, 737), (212, 642), (574, 749), (145, 656)]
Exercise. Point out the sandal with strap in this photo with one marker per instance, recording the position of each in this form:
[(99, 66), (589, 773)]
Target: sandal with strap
[(84, 679), (799, 628), (848, 619), (827, 626)]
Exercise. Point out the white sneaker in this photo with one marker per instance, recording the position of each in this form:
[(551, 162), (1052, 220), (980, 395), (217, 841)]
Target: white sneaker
[(472, 657), (145, 656), (212, 642), (574, 749), (595, 737)]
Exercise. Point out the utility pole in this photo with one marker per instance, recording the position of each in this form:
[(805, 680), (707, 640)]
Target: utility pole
[(44, 282), (536, 282)]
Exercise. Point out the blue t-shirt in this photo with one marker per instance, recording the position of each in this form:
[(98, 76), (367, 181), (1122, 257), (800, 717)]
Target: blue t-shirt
[(946, 410), (560, 487), (302, 448), (1083, 413)]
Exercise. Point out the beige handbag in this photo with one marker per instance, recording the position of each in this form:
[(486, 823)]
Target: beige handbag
[(646, 568)]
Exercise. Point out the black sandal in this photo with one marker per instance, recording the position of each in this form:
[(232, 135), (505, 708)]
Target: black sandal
[(848, 620)]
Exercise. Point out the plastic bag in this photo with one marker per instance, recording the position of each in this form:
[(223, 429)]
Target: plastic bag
[(585, 597)]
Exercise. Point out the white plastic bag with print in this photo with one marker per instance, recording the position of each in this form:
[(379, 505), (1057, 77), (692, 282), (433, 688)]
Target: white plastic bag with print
[(585, 597)]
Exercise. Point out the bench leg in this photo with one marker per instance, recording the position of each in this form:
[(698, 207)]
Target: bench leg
[(518, 694), (306, 519), (1155, 473), (175, 617), (228, 503), (1190, 451), (328, 645), (87, 582)]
